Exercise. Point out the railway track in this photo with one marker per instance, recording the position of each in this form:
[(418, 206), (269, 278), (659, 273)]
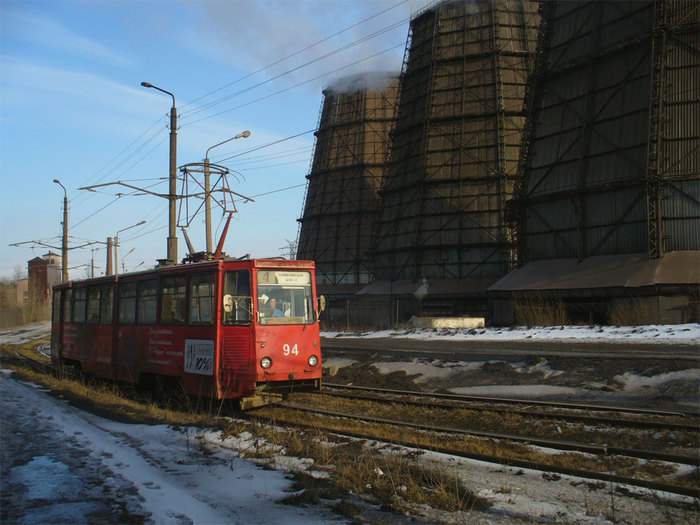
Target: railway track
[(551, 469), (607, 459), (592, 414)]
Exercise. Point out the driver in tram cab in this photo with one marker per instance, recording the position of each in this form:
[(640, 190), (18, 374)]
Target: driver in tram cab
[(272, 305)]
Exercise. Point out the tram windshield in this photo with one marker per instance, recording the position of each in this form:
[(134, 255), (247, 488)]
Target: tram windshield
[(284, 297)]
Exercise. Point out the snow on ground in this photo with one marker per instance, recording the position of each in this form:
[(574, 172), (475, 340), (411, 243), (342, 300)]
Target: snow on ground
[(59, 462), (25, 334), (70, 466), (62, 465), (681, 333), (672, 385)]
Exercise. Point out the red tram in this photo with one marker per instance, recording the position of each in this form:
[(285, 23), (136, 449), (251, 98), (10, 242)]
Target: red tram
[(224, 329)]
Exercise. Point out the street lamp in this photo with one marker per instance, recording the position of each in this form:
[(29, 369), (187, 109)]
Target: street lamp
[(207, 200), (116, 244), (172, 194), (64, 243), (124, 258)]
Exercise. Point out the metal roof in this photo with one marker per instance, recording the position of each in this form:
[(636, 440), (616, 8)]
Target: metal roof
[(607, 271)]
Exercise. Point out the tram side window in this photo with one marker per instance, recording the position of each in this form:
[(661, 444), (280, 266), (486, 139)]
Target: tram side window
[(172, 306), (202, 299), (237, 287), (56, 307), (127, 303), (107, 304), (93, 304), (147, 309), (67, 305), (79, 302)]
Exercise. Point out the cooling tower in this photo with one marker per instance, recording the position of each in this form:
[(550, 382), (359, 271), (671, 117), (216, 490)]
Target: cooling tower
[(349, 164), (609, 207), (457, 142), (613, 161)]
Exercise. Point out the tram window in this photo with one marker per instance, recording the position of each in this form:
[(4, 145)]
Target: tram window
[(147, 303), (93, 304), (56, 307), (127, 303), (172, 305), (107, 304), (79, 300), (237, 287), (202, 299), (67, 305), (292, 295)]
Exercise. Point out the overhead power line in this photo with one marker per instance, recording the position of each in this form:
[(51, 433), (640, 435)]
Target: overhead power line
[(327, 55), (296, 53), (299, 84)]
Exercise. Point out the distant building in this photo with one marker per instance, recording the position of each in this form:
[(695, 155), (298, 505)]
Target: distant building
[(43, 273)]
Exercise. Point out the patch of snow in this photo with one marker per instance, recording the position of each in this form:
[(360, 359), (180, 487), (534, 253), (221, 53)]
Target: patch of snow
[(24, 334), (542, 367), (633, 382), (174, 475), (526, 391), (426, 370), (682, 333), (340, 362)]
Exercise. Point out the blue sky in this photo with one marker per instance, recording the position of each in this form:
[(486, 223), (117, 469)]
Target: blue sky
[(72, 108)]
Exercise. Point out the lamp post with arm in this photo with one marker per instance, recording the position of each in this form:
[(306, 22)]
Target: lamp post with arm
[(64, 242), (172, 195), (116, 245)]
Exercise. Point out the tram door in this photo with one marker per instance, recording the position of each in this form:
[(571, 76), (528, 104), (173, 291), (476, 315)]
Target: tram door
[(237, 360)]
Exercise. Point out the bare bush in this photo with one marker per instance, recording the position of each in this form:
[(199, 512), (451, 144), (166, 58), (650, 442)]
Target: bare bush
[(15, 312)]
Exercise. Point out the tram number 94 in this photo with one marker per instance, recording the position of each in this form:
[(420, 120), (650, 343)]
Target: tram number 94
[(287, 349)]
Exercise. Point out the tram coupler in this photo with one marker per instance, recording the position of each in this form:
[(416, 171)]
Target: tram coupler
[(257, 401)]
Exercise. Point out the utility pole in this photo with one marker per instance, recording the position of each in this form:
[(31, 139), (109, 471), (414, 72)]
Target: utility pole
[(110, 269), (64, 243), (172, 195)]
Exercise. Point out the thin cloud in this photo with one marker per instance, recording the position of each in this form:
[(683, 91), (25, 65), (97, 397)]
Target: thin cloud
[(40, 30), (37, 81)]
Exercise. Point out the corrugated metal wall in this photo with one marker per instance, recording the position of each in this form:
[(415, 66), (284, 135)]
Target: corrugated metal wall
[(616, 133), (457, 141), (349, 164)]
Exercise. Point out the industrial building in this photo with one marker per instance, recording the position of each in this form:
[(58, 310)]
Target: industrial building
[(607, 215), (542, 153)]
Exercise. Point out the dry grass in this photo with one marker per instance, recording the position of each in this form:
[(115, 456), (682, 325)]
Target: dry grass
[(540, 311), (401, 482), (629, 312), (107, 397)]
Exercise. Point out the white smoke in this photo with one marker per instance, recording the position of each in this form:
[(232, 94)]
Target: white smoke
[(369, 81)]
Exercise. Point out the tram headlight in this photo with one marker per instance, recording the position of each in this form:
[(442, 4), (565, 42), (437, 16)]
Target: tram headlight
[(313, 360), (266, 362)]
